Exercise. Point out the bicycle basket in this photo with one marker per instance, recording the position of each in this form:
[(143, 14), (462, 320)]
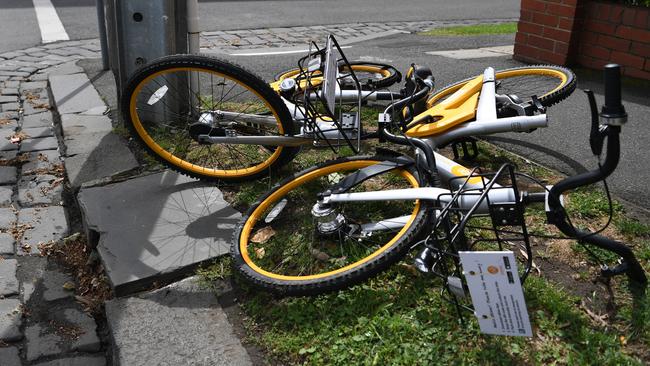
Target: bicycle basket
[(491, 223), (328, 98)]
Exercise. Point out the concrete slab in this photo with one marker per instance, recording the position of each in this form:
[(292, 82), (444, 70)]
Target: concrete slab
[(178, 324), (109, 157), (156, 228), (11, 319), (74, 93), (75, 124)]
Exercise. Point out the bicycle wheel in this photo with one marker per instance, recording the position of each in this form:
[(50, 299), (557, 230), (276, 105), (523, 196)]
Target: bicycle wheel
[(291, 255), (551, 84), (169, 103), (370, 74)]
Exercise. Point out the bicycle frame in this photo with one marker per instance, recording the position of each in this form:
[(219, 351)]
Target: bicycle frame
[(485, 123)]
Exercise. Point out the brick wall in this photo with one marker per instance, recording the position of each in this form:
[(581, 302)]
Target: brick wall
[(585, 32)]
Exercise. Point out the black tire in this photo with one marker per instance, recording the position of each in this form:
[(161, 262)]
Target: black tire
[(159, 109), (389, 74), (289, 276), (547, 98)]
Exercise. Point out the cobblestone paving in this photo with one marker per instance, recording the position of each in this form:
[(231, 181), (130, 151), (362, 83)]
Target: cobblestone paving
[(233, 40), (39, 319)]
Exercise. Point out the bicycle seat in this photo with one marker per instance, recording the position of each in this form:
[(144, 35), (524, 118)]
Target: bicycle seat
[(457, 108)]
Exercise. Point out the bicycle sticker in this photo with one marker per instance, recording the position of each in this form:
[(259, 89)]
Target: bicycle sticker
[(496, 293), (157, 95)]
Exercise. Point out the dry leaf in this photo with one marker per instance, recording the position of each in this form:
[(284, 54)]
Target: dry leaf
[(263, 235), (321, 256), (68, 286), (260, 252)]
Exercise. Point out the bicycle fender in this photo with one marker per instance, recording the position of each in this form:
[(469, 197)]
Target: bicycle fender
[(368, 172)]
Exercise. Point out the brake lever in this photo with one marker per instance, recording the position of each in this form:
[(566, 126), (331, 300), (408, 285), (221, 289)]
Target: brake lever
[(596, 138)]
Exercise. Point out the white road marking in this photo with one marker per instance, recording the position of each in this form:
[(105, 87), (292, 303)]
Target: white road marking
[(475, 53), (52, 29)]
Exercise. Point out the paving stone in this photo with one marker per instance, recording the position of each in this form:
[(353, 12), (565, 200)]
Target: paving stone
[(76, 124), (5, 196), (7, 218), (9, 115), (88, 340), (36, 106), (65, 69), (6, 145), (38, 120), (46, 224), (9, 356), (8, 174), (97, 111), (40, 344), (33, 86), (10, 320), (9, 91), (39, 77), (76, 361), (46, 143), (85, 143), (53, 282), (43, 189), (8, 280), (7, 244), (110, 157), (38, 132), (11, 84), (157, 225), (42, 162), (9, 107), (74, 93), (181, 324)]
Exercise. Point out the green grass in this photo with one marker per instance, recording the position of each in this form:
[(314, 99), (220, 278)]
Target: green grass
[(473, 30)]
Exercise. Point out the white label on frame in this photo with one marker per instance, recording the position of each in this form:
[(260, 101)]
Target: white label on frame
[(496, 292)]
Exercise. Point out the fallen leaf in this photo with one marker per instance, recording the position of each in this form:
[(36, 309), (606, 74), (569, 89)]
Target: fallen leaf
[(68, 286), (321, 256), (263, 235), (260, 252)]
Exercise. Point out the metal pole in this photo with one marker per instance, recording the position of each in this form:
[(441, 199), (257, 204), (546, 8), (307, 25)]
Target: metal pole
[(101, 23), (193, 27)]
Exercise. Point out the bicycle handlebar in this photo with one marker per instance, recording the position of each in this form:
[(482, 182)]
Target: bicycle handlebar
[(612, 116)]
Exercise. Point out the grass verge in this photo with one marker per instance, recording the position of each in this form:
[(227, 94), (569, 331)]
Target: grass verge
[(473, 30)]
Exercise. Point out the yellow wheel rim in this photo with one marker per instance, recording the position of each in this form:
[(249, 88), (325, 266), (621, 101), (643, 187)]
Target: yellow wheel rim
[(275, 196), (183, 164)]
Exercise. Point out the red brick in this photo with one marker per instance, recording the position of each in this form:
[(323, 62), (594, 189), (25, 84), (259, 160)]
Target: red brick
[(545, 19), (613, 42), (566, 23), (603, 11), (616, 15), (640, 49), (530, 28), (557, 34), (552, 57), (521, 38), (626, 59), (641, 18), (526, 51), (591, 62), (589, 37), (635, 34), (600, 27), (629, 14), (541, 42), (561, 48), (636, 73), (561, 10), (595, 52), (526, 16), (570, 2), (534, 5)]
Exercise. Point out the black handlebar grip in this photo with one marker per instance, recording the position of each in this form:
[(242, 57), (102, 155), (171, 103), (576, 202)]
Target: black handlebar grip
[(613, 108)]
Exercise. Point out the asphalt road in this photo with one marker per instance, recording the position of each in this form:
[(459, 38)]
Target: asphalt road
[(19, 29)]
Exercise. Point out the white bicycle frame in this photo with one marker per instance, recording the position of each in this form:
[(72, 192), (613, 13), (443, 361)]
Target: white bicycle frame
[(486, 120)]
